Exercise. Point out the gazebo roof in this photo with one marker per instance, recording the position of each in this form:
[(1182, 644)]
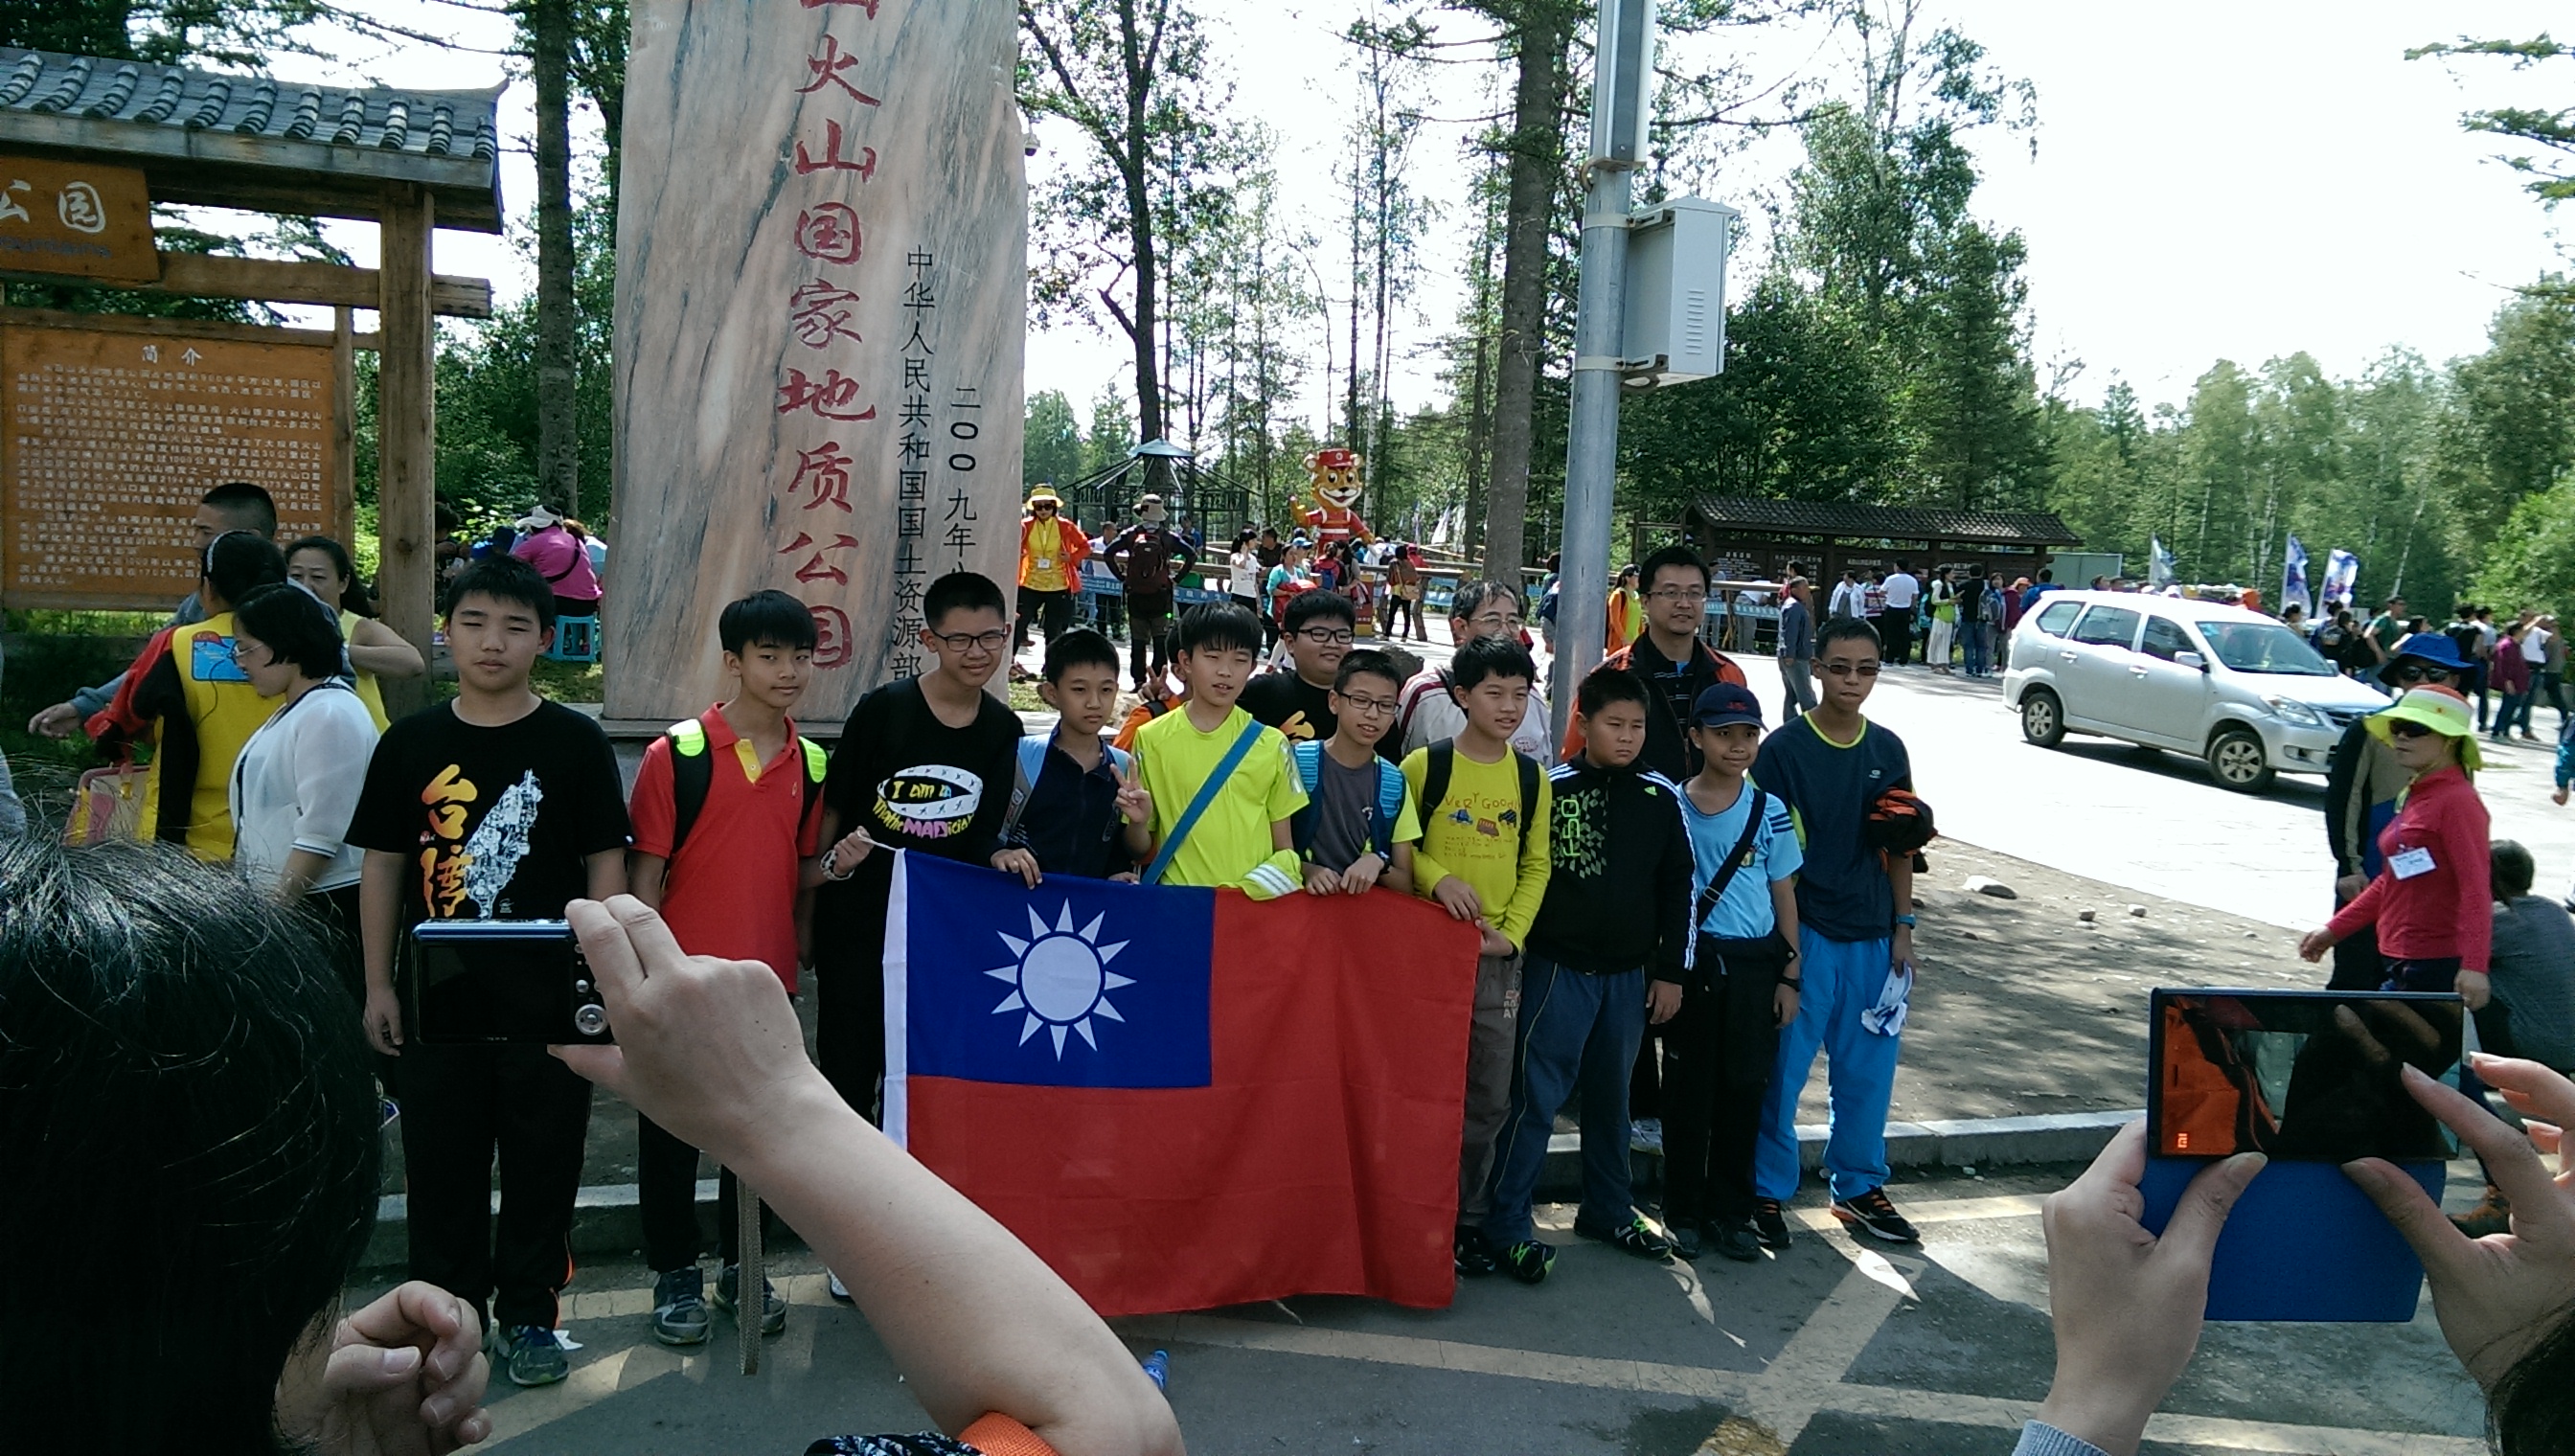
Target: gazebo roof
[(1847, 519), (218, 140)]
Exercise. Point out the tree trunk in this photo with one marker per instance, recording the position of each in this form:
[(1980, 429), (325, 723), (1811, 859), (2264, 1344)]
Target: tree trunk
[(1536, 145), (558, 441)]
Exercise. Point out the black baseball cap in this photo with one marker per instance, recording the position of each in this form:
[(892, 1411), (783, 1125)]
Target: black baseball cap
[(1723, 703)]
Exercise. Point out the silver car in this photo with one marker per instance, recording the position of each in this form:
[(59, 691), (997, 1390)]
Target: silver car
[(2235, 688)]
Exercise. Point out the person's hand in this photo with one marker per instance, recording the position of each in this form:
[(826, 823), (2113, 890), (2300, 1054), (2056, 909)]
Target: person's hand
[(2349, 889), (62, 719), (846, 854), (1901, 952), (1322, 879), (2499, 1295), (1125, 877), (2126, 1304), (1020, 863), (2476, 989), (1662, 1001), (2313, 945), (1784, 1006), (384, 1020), (1497, 943), (1459, 898), (404, 1375), (1135, 801), (1360, 877), (708, 1048)]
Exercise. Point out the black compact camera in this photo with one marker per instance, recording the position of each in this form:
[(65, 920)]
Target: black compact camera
[(513, 982)]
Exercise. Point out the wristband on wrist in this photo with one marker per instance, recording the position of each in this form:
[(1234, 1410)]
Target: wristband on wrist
[(1793, 982), (1905, 920)]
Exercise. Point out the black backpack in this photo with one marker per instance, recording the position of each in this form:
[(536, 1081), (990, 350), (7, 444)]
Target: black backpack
[(1443, 761)]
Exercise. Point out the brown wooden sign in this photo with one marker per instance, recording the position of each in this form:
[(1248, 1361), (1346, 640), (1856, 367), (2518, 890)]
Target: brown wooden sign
[(77, 218), (114, 429)]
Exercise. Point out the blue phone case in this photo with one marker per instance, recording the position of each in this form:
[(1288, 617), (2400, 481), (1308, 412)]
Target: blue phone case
[(2305, 1243)]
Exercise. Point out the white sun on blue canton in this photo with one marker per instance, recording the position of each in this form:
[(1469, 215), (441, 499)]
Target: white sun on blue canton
[(1060, 979)]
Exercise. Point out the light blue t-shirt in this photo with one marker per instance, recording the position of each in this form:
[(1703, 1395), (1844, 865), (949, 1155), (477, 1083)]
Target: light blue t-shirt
[(1744, 912)]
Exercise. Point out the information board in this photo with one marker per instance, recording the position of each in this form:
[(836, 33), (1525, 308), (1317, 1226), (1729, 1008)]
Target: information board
[(79, 217), (112, 437)]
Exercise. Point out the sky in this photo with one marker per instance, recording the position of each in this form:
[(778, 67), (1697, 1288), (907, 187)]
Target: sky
[(2235, 178)]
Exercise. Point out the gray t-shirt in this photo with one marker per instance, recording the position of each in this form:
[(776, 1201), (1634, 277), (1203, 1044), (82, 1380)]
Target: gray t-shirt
[(1344, 799), (2533, 967)]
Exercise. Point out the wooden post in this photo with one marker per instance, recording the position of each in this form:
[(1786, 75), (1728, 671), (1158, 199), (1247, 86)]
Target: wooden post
[(750, 1288), (407, 433), (344, 425)]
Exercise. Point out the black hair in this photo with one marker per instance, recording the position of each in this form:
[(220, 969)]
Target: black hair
[(353, 592), (2530, 1410), (1368, 661), (1081, 648), (1489, 657), (242, 499), (297, 627), (2513, 871), (1218, 624), (238, 563), (1306, 607), (1270, 531), (2047, 573), (770, 619), (508, 581), (961, 592), (1605, 685), (1248, 536), (1672, 556), (1848, 628), (1470, 598), (185, 1087)]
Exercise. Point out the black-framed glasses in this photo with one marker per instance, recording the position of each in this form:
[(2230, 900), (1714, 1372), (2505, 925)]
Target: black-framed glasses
[(958, 642), (1370, 706), (2408, 728), (2413, 673), (1852, 670), (1691, 595), (1339, 637)]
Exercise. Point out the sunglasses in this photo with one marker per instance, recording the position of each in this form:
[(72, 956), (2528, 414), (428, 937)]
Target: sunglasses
[(2411, 673), (2405, 728)]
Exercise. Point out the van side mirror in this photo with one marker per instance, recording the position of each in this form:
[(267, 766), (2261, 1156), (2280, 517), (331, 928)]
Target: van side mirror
[(2191, 659)]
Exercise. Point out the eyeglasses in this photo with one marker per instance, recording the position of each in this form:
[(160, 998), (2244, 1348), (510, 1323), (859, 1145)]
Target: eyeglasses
[(1369, 707), (1851, 669), (1692, 594), (965, 641), (2411, 673), (2408, 728), (1491, 619), (1339, 636), (1045, 510)]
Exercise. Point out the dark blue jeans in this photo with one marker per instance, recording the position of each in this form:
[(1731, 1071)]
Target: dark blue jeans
[(1574, 1030)]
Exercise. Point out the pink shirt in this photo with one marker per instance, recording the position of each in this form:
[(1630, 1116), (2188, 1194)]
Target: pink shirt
[(558, 557)]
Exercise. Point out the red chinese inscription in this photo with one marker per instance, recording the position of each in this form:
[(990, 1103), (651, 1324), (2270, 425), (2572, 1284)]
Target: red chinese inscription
[(820, 313), (834, 643), (826, 68), (828, 232), (830, 397), (869, 6), (864, 162), (826, 472)]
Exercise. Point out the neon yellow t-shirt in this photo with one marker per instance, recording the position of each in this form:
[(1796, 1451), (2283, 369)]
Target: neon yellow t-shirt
[(1475, 834), (1231, 843)]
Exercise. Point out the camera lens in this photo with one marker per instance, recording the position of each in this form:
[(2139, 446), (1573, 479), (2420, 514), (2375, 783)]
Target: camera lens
[(590, 1020)]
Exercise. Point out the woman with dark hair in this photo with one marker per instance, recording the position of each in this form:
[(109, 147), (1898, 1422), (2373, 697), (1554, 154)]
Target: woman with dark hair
[(295, 786), (322, 567)]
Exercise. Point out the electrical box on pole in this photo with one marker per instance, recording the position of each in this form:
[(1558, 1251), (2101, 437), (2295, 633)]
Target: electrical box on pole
[(1674, 330)]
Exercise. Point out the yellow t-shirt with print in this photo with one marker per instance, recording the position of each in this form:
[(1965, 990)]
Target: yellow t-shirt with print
[(1231, 842), (1475, 834)]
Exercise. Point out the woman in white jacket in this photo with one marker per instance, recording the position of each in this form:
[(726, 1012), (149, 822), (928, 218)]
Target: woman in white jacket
[(295, 783)]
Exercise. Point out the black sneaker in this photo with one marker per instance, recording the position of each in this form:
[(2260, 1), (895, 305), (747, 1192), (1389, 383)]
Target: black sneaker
[(1874, 1215), (1474, 1253), (680, 1307), (1637, 1236), (1685, 1240), (1528, 1260), (773, 1310), (1770, 1224), (1738, 1241)]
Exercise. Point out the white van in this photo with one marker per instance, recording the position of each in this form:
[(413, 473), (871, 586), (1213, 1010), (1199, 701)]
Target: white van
[(2233, 688)]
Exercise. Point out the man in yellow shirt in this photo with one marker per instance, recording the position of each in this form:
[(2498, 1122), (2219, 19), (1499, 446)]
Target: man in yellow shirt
[(1483, 858), (1245, 836)]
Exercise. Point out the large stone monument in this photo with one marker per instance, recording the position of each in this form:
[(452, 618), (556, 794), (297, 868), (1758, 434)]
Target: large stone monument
[(821, 317)]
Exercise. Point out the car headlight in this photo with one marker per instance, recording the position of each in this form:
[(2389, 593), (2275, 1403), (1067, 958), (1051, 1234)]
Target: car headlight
[(2295, 713)]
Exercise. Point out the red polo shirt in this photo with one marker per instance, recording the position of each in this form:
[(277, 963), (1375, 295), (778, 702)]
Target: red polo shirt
[(731, 891)]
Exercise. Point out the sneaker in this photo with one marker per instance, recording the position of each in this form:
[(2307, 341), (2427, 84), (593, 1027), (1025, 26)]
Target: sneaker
[(1872, 1213), (1637, 1236), (1685, 1240), (680, 1307), (1645, 1134), (530, 1355), (1474, 1253), (2493, 1214), (1771, 1222), (1739, 1240), (1528, 1260), (840, 1291), (773, 1310)]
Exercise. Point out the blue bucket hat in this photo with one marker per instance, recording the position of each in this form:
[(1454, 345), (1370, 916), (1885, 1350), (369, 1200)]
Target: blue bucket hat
[(2425, 646)]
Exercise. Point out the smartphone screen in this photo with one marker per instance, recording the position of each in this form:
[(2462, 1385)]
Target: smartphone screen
[(496, 982), (2308, 1075)]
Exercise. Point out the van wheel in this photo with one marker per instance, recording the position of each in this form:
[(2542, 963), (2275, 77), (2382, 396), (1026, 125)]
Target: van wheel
[(2042, 717), (2237, 761)]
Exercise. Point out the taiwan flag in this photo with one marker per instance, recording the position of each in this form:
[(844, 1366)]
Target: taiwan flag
[(1183, 1098)]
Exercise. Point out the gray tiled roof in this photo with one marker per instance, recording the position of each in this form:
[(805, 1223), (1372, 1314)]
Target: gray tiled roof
[(163, 115), (1852, 519)]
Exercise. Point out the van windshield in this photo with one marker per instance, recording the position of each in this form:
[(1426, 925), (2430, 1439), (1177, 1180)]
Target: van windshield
[(2264, 646)]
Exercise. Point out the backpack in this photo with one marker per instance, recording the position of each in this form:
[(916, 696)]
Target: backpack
[(1443, 760), (692, 774), (1309, 756), (1031, 763)]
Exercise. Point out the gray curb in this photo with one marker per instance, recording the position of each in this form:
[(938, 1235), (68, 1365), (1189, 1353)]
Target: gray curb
[(608, 1219)]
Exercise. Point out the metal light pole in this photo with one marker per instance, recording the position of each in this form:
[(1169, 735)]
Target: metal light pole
[(1618, 119)]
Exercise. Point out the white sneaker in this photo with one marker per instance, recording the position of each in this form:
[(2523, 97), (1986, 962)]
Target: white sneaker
[(839, 1290)]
